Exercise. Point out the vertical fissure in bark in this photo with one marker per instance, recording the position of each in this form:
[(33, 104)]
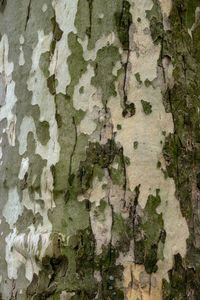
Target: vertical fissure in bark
[(71, 176), (89, 30), (28, 14)]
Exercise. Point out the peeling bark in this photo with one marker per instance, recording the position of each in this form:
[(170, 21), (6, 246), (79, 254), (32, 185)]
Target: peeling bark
[(99, 176)]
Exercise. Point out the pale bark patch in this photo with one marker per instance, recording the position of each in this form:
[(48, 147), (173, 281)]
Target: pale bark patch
[(139, 285), (8, 98), (148, 130), (12, 208), (68, 9), (23, 168)]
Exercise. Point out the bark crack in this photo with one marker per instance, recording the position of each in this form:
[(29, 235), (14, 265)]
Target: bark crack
[(73, 151), (89, 30), (112, 215), (125, 77), (28, 14)]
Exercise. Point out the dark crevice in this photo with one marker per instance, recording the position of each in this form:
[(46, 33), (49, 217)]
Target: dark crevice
[(2, 5), (112, 216), (57, 34), (125, 177), (71, 177), (125, 78), (184, 68), (89, 30), (181, 150), (174, 136), (13, 291), (28, 14)]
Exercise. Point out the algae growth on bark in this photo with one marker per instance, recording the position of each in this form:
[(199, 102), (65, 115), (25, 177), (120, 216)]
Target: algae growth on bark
[(99, 149)]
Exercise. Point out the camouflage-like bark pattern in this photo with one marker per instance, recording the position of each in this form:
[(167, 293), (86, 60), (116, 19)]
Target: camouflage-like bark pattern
[(99, 178)]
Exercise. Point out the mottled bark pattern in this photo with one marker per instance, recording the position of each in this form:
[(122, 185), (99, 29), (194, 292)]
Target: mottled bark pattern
[(99, 149), (180, 45)]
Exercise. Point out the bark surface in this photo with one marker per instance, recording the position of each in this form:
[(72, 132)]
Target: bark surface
[(99, 149)]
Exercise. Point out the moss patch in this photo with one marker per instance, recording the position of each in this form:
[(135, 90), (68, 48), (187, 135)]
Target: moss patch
[(147, 107), (135, 145), (76, 63), (137, 76), (181, 149), (42, 131), (148, 242), (123, 22), (103, 66)]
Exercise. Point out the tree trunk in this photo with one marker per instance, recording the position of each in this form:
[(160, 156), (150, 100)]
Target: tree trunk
[(100, 149)]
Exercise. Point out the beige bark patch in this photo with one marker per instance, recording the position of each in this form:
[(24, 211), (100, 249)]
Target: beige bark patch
[(139, 285), (101, 227), (66, 296), (148, 130), (166, 6), (89, 101), (101, 223)]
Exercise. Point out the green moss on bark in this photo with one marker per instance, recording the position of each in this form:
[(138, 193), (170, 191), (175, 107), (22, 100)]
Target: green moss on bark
[(81, 161), (153, 228), (123, 22), (76, 63), (42, 131), (147, 107), (181, 149), (104, 79)]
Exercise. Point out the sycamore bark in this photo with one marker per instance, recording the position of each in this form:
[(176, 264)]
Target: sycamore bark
[(99, 149)]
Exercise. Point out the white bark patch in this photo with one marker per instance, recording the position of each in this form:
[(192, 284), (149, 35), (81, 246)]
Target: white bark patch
[(13, 258), (2, 90), (96, 193), (101, 226), (68, 9), (7, 95), (44, 7), (24, 248), (104, 41), (12, 208), (88, 100), (88, 125), (21, 56), (1, 154), (26, 126), (41, 96), (147, 131), (197, 18), (23, 168), (101, 223)]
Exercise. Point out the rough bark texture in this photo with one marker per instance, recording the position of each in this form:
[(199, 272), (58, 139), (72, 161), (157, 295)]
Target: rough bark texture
[(99, 149)]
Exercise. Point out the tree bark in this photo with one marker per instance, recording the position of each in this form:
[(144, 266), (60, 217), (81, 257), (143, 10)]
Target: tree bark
[(99, 149)]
